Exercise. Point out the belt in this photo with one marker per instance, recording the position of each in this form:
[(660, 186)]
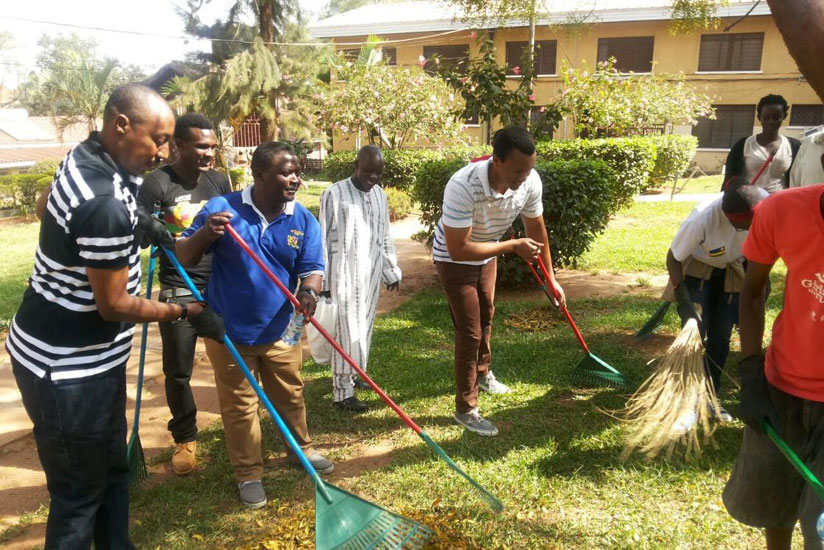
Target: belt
[(174, 293)]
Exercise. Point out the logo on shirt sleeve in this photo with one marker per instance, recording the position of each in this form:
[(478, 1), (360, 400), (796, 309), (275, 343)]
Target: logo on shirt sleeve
[(717, 252), (294, 238)]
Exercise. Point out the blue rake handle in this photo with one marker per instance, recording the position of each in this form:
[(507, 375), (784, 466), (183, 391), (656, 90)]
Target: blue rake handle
[(144, 336), (290, 439)]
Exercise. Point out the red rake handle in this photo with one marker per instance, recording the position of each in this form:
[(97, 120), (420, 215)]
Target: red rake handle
[(763, 167), (321, 330), (545, 282)]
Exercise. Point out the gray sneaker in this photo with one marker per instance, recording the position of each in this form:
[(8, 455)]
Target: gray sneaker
[(474, 422), (490, 384), (252, 494), (320, 463)]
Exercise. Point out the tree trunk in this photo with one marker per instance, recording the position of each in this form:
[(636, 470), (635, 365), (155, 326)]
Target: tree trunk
[(533, 15), (801, 23), (266, 22)]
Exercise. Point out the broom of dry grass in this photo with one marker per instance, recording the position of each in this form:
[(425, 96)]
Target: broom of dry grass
[(678, 386)]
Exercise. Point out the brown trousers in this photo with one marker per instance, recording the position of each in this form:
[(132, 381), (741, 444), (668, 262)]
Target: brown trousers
[(470, 291), (278, 367)]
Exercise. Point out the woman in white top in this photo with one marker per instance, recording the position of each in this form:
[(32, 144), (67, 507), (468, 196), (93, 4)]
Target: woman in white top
[(749, 155)]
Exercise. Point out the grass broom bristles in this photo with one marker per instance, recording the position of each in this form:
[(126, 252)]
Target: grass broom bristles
[(678, 385)]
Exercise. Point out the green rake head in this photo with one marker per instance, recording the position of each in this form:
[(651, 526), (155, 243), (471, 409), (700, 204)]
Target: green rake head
[(654, 321), (594, 371), (477, 488), (137, 461), (351, 523)]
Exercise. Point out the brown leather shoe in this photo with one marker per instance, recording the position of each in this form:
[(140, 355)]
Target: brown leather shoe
[(183, 459)]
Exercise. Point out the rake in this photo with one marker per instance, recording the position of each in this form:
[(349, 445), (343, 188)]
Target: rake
[(654, 321), (134, 450), (343, 521), (796, 462), (484, 494), (591, 369)]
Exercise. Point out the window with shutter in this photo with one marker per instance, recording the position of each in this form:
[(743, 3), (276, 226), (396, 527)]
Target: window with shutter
[(630, 53), (806, 115), (390, 55), (731, 52), (732, 122), (456, 56), (544, 60)]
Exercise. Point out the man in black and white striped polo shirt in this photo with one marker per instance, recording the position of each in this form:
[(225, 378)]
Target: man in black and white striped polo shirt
[(71, 337), (480, 203)]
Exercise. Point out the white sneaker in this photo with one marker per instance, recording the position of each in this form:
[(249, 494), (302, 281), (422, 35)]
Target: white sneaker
[(490, 384), (685, 423), (722, 415)]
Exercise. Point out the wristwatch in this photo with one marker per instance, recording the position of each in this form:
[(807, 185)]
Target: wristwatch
[(310, 291), (185, 313)]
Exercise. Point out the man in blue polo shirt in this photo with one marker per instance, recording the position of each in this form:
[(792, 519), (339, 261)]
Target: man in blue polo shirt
[(287, 237)]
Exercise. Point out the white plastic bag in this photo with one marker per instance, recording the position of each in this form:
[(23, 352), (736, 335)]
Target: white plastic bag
[(326, 314)]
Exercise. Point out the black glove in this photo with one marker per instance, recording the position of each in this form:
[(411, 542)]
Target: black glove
[(756, 404), (152, 232), (209, 324), (686, 309)]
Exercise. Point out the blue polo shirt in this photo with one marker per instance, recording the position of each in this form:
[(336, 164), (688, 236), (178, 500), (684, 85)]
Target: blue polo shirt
[(254, 310)]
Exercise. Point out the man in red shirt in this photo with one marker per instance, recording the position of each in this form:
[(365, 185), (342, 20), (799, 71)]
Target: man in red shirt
[(786, 387)]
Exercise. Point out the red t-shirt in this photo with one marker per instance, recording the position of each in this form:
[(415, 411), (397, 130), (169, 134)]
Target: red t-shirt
[(789, 225)]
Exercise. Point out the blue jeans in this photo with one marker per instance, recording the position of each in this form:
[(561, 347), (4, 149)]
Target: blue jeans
[(719, 313), (80, 432)]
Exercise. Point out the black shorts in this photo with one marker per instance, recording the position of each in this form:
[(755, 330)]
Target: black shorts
[(764, 490)]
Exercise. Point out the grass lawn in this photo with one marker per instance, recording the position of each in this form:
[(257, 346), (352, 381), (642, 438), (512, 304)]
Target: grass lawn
[(637, 239), (703, 184), (554, 465), (18, 241)]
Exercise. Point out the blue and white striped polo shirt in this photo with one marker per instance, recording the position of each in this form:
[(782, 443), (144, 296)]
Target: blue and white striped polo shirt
[(468, 201), (89, 222)]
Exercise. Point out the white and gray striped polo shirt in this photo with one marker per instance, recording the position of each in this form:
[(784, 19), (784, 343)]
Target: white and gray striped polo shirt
[(468, 201), (89, 222)]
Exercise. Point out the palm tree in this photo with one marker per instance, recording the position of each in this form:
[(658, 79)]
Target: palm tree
[(82, 93)]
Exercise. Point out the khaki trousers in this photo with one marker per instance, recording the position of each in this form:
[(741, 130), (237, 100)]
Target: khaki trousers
[(278, 367), (470, 291)]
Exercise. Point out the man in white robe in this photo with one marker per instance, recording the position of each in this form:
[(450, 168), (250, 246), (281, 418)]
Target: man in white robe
[(359, 254)]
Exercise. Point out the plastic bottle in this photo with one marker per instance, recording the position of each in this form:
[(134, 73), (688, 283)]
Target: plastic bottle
[(291, 335)]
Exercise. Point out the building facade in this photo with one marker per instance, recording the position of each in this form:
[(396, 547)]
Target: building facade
[(736, 68)]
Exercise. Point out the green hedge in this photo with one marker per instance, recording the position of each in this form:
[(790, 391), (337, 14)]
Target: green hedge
[(398, 202), (673, 156), (21, 190), (400, 165), (632, 159), (579, 198)]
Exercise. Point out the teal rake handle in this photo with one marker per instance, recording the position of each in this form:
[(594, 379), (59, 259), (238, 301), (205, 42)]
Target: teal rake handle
[(287, 434), (144, 336), (796, 462)]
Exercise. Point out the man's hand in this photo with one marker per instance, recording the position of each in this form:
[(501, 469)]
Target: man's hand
[(559, 296), (215, 225), (307, 303), (756, 403), (205, 321), (686, 309), (394, 287), (152, 231), (526, 248)]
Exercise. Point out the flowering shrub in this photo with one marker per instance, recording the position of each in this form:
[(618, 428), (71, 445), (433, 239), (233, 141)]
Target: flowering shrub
[(400, 104)]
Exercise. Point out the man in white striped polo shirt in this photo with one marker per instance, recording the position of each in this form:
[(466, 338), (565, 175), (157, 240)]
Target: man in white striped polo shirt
[(71, 337), (480, 203)]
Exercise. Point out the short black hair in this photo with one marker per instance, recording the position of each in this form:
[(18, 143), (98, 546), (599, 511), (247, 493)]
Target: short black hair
[(266, 151), (130, 100), (512, 137), (772, 99), (740, 196), (368, 151), (191, 120)]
